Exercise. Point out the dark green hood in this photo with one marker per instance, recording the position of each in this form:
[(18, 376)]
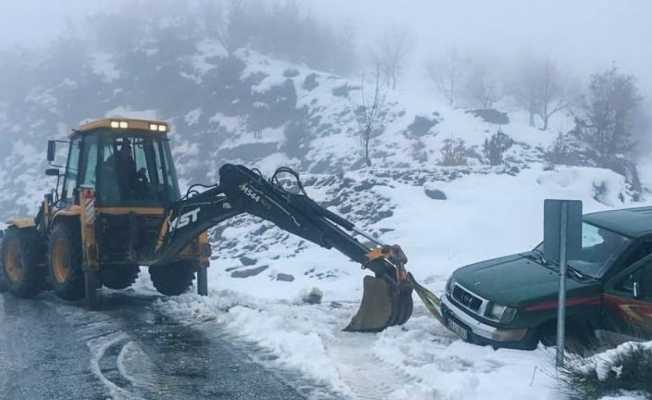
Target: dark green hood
[(516, 281)]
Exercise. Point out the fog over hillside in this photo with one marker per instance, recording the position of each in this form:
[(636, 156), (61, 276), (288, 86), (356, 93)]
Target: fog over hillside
[(438, 125)]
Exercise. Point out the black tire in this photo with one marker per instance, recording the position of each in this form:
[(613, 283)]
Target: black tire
[(65, 262), (173, 279), (580, 336), (119, 276), (21, 253)]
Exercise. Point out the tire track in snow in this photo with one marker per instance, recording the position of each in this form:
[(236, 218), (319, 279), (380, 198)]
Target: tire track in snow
[(108, 345)]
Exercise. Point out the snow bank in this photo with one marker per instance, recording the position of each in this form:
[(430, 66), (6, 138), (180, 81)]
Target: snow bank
[(485, 215)]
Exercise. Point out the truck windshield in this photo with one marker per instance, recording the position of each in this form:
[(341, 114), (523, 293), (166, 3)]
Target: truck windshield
[(136, 169), (599, 248)]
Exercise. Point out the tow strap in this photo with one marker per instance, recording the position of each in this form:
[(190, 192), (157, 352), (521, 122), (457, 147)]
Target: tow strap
[(429, 299)]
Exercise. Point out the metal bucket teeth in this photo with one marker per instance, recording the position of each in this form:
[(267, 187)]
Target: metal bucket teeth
[(381, 306)]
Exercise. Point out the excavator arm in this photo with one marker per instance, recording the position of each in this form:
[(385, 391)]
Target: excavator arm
[(387, 297)]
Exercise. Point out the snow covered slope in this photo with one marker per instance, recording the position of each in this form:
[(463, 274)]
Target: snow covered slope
[(248, 108)]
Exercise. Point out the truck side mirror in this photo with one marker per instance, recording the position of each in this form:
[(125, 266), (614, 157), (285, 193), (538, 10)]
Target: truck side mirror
[(52, 148), (52, 172), (636, 288)]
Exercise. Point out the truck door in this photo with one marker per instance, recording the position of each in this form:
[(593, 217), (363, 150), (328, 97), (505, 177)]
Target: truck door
[(628, 301)]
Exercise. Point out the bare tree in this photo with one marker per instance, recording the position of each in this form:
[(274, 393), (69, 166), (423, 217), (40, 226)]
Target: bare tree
[(446, 73), (551, 97), (525, 88), (220, 21), (371, 114), (540, 89), (391, 52), (481, 88)]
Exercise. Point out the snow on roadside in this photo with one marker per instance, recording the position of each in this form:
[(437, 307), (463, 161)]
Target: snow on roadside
[(485, 215), (420, 360)]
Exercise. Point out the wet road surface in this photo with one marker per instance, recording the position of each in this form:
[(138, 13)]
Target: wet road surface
[(50, 349)]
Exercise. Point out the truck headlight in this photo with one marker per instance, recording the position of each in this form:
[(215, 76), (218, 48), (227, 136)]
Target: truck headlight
[(501, 313)]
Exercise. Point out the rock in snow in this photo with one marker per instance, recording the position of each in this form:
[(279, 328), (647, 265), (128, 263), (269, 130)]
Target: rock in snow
[(435, 194), (246, 273)]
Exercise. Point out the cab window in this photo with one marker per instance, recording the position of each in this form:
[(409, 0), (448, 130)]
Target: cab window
[(89, 161), (136, 169), (72, 169)]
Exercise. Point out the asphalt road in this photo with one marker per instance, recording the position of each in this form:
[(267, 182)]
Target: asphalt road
[(50, 349)]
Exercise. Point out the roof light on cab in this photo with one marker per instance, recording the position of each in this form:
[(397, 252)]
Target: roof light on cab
[(153, 127), (162, 128)]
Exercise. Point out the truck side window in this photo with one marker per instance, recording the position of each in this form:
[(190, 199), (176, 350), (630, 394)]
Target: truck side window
[(72, 169), (643, 276), (645, 281)]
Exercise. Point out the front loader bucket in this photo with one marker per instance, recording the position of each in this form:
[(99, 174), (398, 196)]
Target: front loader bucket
[(382, 306)]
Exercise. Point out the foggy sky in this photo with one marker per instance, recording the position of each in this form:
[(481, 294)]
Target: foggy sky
[(589, 34)]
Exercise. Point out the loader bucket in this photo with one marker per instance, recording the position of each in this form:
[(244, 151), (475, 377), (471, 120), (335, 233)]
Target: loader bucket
[(382, 306)]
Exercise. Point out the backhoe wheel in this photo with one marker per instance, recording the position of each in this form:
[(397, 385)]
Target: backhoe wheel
[(173, 279), (65, 262), (21, 273), (119, 276)]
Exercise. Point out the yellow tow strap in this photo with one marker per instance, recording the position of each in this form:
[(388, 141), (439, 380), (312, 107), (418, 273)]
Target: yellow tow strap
[(429, 299)]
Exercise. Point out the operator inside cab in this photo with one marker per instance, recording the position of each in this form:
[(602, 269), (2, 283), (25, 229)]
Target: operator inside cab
[(131, 183), (126, 169)]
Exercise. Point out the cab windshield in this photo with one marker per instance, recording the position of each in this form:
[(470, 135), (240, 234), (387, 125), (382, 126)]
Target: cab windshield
[(136, 169), (599, 248)]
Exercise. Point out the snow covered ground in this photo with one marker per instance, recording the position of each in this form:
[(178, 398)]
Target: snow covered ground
[(484, 216), (260, 274)]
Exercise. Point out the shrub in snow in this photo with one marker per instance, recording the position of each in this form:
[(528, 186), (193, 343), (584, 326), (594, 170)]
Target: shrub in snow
[(628, 367), (343, 91), (290, 73), (491, 115), (421, 126), (453, 153), (567, 149), (495, 146), (626, 168), (296, 136), (310, 82), (312, 296)]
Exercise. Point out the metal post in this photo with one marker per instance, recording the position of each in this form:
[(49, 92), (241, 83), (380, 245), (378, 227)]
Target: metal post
[(561, 308), (202, 281)]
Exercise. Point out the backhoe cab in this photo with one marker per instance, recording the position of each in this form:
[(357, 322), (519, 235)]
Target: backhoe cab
[(103, 219), (117, 207)]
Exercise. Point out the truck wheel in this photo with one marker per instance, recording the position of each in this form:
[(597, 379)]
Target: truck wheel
[(21, 273), (173, 279), (65, 262), (119, 276)]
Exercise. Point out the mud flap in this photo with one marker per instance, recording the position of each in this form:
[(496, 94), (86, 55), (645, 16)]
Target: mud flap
[(382, 306)]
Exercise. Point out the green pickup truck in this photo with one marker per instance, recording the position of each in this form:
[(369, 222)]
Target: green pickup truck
[(512, 301)]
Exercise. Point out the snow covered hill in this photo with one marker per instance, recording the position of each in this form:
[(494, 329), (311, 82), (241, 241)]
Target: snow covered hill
[(251, 109)]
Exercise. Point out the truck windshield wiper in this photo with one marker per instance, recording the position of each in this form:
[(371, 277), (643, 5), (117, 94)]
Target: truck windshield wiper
[(577, 274), (538, 256)]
